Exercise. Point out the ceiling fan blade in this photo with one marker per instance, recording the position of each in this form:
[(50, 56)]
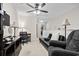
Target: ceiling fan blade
[(43, 4), (30, 11), (30, 5), (36, 5), (44, 11)]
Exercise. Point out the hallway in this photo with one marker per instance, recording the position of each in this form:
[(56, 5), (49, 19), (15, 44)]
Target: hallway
[(33, 48)]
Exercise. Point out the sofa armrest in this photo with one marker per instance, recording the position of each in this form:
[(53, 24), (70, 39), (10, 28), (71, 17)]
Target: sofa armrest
[(52, 51), (55, 43), (46, 39)]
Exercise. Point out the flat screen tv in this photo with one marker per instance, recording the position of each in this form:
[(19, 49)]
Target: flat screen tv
[(6, 21)]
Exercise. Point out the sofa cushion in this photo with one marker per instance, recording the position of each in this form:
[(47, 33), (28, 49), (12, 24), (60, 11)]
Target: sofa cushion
[(61, 38), (74, 42)]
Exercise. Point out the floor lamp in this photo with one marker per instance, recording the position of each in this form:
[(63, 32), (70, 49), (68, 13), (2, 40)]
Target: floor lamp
[(14, 28), (65, 24)]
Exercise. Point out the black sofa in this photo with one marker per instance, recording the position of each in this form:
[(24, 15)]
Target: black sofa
[(68, 48), (46, 42)]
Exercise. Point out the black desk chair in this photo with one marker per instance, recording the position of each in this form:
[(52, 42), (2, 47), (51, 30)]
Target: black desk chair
[(25, 37)]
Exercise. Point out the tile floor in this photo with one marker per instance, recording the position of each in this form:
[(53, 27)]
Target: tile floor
[(33, 48)]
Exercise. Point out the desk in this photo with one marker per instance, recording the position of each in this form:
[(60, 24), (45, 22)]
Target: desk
[(12, 48)]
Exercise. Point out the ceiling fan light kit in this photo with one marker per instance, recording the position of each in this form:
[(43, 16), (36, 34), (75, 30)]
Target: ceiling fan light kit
[(36, 12)]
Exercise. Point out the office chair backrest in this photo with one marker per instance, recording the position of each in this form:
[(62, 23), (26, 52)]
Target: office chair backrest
[(73, 41), (23, 33)]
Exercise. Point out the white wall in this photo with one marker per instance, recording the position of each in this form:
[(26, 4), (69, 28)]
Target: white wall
[(29, 22), (72, 15), (13, 15), (56, 22)]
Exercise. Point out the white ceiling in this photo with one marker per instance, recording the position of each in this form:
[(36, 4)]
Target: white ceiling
[(54, 9)]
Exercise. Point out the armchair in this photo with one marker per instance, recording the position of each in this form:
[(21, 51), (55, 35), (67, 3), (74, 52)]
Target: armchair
[(68, 48)]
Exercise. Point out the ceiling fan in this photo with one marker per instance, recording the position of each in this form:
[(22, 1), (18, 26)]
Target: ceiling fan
[(37, 8)]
